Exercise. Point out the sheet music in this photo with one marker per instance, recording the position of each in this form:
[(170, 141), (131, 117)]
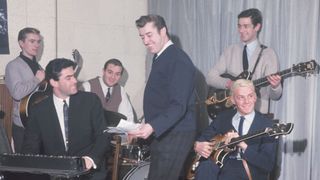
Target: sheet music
[(123, 127)]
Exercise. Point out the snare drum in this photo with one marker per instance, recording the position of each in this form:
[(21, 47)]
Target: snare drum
[(138, 173)]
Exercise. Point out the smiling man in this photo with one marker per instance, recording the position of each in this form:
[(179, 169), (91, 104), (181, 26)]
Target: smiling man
[(112, 95), (169, 101), (68, 122), (253, 159), (244, 56)]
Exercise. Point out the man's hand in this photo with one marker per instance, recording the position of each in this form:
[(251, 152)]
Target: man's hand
[(229, 84), (144, 131), (203, 148), (88, 162), (230, 135), (274, 80), (40, 75)]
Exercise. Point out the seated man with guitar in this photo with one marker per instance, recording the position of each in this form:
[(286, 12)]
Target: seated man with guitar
[(228, 159), (250, 57)]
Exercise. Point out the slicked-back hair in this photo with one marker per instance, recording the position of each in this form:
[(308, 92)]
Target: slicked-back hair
[(23, 33), (115, 62), (158, 22), (55, 66)]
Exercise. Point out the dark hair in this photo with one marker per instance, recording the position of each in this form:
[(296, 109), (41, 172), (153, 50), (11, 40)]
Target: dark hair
[(115, 62), (255, 16), (55, 66), (157, 20), (23, 33)]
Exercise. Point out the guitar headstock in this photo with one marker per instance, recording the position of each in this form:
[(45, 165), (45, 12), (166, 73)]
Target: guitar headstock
[(306, 68), (280, 129), (76, 56)]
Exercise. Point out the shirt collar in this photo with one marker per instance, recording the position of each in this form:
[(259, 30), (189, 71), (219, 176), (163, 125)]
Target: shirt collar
[(164, 47), (58, 100), (252, 45), (247, 117)]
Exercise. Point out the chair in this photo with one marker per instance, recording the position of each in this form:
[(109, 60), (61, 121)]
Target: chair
[(116, 157)]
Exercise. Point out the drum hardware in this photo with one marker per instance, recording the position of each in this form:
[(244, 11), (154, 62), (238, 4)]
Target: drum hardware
[(134, 154)]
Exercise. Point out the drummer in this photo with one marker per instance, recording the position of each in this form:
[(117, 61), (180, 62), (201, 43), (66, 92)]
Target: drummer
[(112, 95)]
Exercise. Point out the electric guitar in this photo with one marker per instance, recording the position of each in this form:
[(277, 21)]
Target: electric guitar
[(40, 94), (221, 150), (219, 100)]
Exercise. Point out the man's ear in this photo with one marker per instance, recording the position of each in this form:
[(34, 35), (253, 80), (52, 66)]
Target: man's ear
[(20, 42), (257, 27), (232, 100), (163, 31), (53, 83)]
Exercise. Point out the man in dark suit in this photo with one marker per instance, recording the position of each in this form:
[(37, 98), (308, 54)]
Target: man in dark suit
[(71, 129), (169, 101), (257, 154)]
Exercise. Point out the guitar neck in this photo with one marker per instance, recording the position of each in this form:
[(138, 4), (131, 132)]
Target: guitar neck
[(264, 81), (237, 140)]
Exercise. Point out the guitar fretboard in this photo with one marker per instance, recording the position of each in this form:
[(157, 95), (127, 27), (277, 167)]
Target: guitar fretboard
[(264, 80)]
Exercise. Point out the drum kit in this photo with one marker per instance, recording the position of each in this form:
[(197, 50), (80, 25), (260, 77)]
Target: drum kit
[(135, 162), (134, 157)]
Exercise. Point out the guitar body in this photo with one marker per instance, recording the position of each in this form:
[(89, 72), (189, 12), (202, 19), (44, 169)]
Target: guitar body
[(27, 102), (218, 101)]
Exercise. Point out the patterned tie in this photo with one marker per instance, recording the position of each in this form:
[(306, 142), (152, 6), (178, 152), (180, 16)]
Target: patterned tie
[(240, 128), (245, 62), (66, 118), (108, 95)]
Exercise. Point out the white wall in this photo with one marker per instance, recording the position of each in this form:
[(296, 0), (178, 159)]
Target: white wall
[(99, 29)]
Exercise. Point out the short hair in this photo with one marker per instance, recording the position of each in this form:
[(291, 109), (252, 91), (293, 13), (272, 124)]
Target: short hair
[(55, 66), (115, 62), (255, 16), (241, 83), (23, 33), (157, 20)]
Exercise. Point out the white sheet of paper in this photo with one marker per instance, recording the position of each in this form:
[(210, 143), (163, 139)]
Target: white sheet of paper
[(123, 127)]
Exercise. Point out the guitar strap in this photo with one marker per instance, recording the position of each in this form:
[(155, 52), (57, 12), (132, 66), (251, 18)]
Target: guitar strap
[(260, 53), (246, 167)]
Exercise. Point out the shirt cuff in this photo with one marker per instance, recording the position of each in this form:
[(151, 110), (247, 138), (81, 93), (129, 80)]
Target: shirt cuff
[(90, 159)]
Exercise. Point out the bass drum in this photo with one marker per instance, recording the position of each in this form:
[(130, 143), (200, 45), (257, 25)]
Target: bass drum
[(138, 173)]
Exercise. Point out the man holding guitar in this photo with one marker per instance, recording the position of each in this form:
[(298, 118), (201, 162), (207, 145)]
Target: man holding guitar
[(22, 77), (254, 158), (249, 56)]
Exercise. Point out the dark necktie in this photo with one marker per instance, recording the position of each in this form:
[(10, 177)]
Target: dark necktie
[(108, 95), (240, 128), (154, 57), (66, 119), (245, 62)]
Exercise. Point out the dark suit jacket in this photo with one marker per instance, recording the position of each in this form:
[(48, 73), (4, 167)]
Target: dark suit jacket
[(86, 125), (261, 151), (169, 96)]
